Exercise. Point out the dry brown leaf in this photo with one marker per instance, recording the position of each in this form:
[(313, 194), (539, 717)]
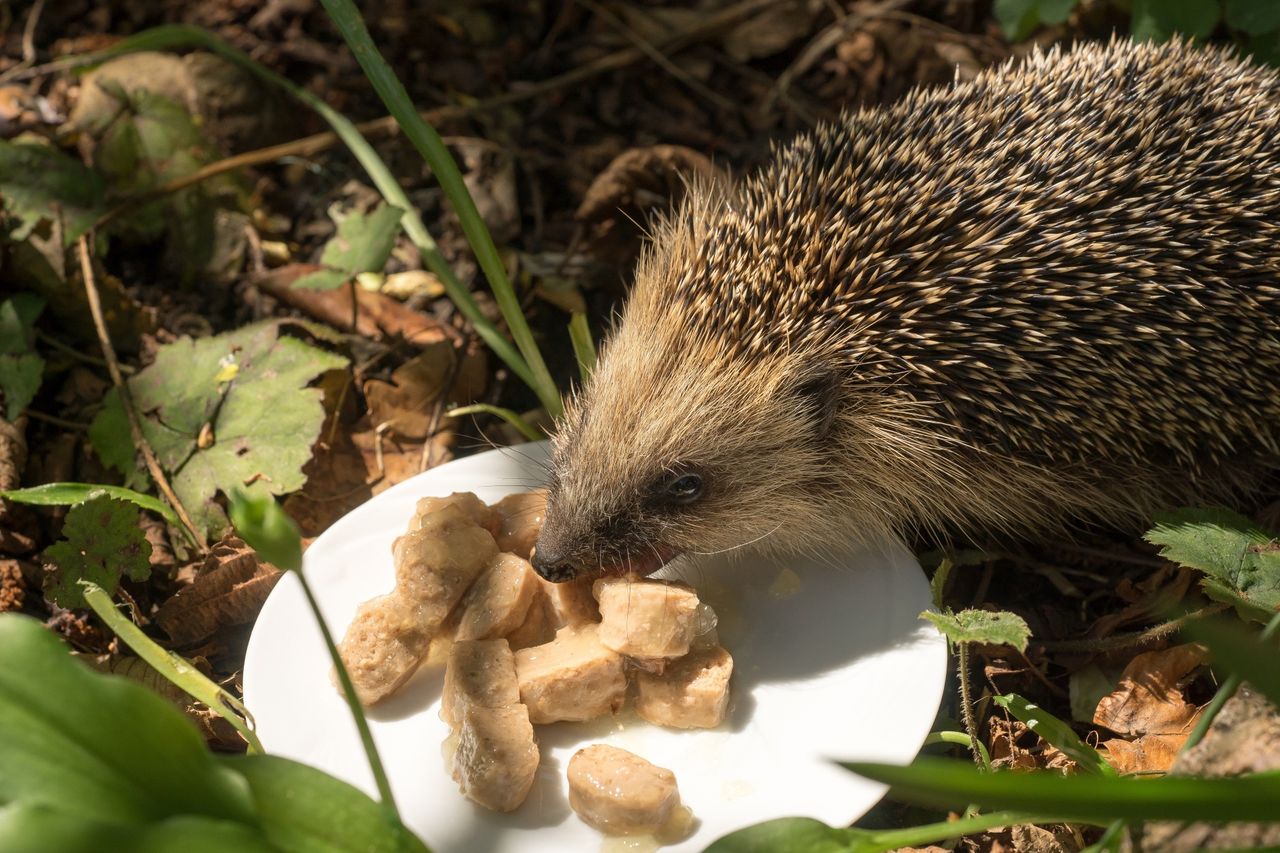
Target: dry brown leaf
[(406, 405), (1027, 838), (1157, 593), (639, 178), (1148, 753), (1148, 699), (228, 589), (1006, 753)]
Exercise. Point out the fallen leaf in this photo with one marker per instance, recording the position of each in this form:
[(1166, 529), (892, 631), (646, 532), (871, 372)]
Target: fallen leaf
[(1148, 699), (227, 590), (101, 542), (407, 403), (1149, 753), (363, 244), (1155, 594)]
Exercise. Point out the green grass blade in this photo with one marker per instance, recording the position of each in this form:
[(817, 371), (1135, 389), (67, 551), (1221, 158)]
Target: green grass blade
[(1055, 732), (172, 36), (1250, 655), (174, 668), (347, 19), (960, 739), (944, 783), (70, 494), (584, 350), (526, 429)]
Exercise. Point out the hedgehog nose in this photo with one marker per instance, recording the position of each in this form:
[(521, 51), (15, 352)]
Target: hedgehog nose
[(550, 564)]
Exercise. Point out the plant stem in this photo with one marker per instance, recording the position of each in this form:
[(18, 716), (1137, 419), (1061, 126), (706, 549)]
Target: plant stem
[(960, 739), (1225, 692), (966, 709), (429, 144), (1123, 641), (584, 350), (918, 836), (526, 429), (353, 701)]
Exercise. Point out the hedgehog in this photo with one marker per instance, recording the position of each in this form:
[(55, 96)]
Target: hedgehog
[(1040, 301)]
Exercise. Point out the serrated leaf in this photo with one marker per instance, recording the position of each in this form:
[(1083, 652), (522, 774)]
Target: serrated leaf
[(20, 378), (18, 316), (363, 244), (42, 183), (263, 422), (1242, 562), (982, 626), (113, 442), (1056, 733), (102, 542), (1253, 17), (1161, 20)]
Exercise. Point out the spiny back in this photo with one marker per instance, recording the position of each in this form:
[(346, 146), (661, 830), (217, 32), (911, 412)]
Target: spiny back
[(1075, 258)]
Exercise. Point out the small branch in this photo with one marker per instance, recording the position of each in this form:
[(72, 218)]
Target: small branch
[(1124, 641), (126, 399)]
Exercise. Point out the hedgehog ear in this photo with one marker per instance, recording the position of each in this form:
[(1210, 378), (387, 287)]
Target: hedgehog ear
[(818, 391)]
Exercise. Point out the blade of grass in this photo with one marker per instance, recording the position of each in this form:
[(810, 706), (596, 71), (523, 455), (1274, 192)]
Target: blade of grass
[(347, 19), (70, 494), (174, 668), (960, 739), (1099, 800), (1238, 651), (1056, 733), (526, 429), (584, 350), (172, 36)]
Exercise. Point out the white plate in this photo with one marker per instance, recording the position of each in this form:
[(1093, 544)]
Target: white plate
[(832, 665)]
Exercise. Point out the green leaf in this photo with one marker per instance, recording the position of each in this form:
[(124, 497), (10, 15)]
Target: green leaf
[(113, 442), (228, 410), (949, 784), (1242, 562), (363, 244), (102, 542), (1018, 18), (20, 378), (41, 183), (1056, 11), (18, 316), (261, 523), (70, 494), (304, 810), (40, 828), (1055, 732), (1242, 653), (584, 349), (1161, 20), (1253, 17), (982, 626), (792, 834), (99, 746)]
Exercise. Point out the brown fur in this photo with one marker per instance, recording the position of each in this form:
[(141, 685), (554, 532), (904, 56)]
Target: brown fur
[(1042, 297)]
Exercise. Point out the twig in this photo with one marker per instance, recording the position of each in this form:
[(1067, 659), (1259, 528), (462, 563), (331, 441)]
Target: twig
[(1124, 641), (126, 399), (76, 354), (57, 421), (28, 42)]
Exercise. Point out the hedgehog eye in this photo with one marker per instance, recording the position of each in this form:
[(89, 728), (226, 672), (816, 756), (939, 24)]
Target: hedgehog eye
[(683, 488)]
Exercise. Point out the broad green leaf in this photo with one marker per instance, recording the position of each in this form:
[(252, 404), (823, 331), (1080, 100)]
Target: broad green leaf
[(792, 834), (949, 784), (982, 626), (1056, 11), (1056, 733), (18, 316), (1018, 18), (1253, 17), (40, 828), (1242, 563), (113, 442), (260, 522), (101, 541), (228, 410), (70, 494), (304, 810), (99, 746), (1161, 20), (363, 244), (20, 378), (40, 183), (1242, 653)]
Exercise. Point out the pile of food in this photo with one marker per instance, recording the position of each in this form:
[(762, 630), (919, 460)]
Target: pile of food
[(519, 651)]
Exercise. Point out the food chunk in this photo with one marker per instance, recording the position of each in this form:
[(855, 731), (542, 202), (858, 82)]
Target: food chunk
[(539, 624), (692, 693), (496, 757), (574, 677), (499, 600), (573, 602), (478, 672), (391, 635), (646, 619), (471, 506), (519, 520), (619, 793)]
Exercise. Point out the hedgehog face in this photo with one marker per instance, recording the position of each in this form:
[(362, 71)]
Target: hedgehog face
[(678, 447)]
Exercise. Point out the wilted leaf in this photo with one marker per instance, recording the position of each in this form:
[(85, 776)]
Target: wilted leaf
[(102, 542), (363, 244), (1153, 753), (1241, 561), (1148, 699), (406, 403), (39, 180), (228, 589), (982, 626), (259, 426)]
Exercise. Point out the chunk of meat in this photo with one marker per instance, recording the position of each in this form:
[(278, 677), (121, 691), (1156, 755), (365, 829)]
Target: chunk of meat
[(539, 624), (692, 693), (574, 677), (619, 793), (391, 635), (476, 509), (519, 518), (496, 757), (499, 600), (479, 672), (572, 602), (646, 619)]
